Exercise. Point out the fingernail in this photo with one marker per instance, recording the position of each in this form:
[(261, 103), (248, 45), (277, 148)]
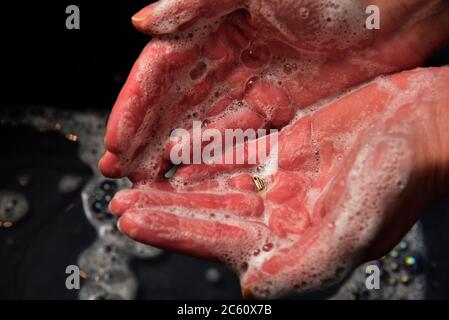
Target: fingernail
[(136, 18), (118, 226), (139, 16)]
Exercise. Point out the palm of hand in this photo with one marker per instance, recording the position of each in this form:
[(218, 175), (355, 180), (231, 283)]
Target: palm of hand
[(322, 208)]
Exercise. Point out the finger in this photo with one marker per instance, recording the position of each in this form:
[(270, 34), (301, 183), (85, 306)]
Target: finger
[(272, 102), (137, 107), (242, 182), (301, 267), (214, 131), (243, 156), (212, 185), (238, 204), (223, 48), (111, 166), (168, 16), (213, 240), (145, 99), (151, 154)]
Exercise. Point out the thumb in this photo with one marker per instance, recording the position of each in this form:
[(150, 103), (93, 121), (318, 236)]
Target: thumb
[(168, 16)]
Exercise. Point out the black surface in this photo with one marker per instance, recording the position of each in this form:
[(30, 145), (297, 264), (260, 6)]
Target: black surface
[(35, 252), (45, 63)]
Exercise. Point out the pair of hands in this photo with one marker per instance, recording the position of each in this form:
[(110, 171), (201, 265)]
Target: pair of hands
[(348, 168)]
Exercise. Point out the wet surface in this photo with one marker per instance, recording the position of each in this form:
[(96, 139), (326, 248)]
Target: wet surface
[(36, 250), (67, 221)]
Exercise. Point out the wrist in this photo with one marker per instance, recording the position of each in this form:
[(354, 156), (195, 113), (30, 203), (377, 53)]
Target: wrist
[(433, 153)]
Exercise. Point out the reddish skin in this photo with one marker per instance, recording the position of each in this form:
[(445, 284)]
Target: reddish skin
[(149, 106), (419, 122), (145, 212)]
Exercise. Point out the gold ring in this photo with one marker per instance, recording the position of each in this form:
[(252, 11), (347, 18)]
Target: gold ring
[(260, 184)]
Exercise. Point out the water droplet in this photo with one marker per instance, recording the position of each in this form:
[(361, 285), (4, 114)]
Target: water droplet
[(267, 247), (213, 275), (250, 83), (256, 56), (69, 183), (287, 68), (394, 254), (405, 279), (205, 123), (109, 186), (13, 207), (410, 261), (403, 245)]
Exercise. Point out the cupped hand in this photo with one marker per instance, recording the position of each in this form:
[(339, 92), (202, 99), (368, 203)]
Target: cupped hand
[(253, 64), (352, 177)]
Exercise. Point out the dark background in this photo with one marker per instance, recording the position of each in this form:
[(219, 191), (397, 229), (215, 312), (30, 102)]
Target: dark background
[(45, 63)]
